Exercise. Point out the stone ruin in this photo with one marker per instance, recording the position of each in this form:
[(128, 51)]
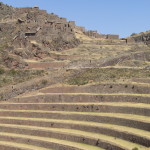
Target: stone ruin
[(95, 34), (37, 23), (34, 31), (92, 33)]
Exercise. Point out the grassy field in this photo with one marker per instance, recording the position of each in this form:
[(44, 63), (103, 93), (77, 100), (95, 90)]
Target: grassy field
[(17, 76), (99, 75)]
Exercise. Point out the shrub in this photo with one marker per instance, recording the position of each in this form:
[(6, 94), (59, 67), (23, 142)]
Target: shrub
[(78, 81), (38, 72), (135, 148), (4, 80), (2, 71), (44, 82), (13, 72)]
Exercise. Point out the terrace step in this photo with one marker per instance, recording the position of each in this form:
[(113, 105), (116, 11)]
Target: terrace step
[(77, 136), (127, 108), (5, 145), (47, 142), (82, 98), (44, 65), (130, 134), (103, 88), (90, 121), (134, 121), (141, 80)]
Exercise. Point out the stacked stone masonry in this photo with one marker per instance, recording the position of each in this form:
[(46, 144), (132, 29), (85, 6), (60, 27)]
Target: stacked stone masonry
[(95, 34)]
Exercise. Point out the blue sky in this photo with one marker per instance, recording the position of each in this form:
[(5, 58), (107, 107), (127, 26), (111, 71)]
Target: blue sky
[(122, 17)]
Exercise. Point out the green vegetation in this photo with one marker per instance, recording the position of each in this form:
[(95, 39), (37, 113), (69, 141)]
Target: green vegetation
[(44, 82), (17, 76), (2, 71), (3, 46), (135, 148), (106, 74), (78, 81)]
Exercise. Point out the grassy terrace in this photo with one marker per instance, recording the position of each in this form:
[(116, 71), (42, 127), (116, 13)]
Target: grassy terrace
[(124, 144), (127, 104), (99, 75), (97, 114), (50, 140), (17, 76), (20, 146)]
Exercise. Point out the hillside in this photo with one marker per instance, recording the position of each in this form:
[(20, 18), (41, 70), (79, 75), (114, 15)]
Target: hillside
[(41, 45), (63, 87), (32, 33)]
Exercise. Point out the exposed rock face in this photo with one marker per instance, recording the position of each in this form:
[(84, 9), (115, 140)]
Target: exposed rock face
[(142, 37)]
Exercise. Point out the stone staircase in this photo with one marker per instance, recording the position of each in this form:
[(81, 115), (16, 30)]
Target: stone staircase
[(72, 118)]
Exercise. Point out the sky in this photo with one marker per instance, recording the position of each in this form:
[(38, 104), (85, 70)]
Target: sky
[(122, 17)]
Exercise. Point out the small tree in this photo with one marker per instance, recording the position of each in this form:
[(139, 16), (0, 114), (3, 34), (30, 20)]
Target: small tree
[(133, 34)]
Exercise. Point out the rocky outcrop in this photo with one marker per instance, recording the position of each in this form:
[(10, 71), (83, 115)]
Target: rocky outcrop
[(142, 37)]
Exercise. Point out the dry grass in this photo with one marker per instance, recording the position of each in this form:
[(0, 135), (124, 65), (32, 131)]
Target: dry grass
[(127, 145), (8, 77), (99, 75)]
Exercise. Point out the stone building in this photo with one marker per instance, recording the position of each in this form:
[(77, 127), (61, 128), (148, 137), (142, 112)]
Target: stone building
[(111, 36)]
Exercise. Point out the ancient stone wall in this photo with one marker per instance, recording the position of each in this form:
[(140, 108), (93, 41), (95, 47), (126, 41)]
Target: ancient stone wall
[(63, 19), (95, 34), (82, 29), (24, 25), (72, 23), (111, 36), (40, 24), (103, 36)]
